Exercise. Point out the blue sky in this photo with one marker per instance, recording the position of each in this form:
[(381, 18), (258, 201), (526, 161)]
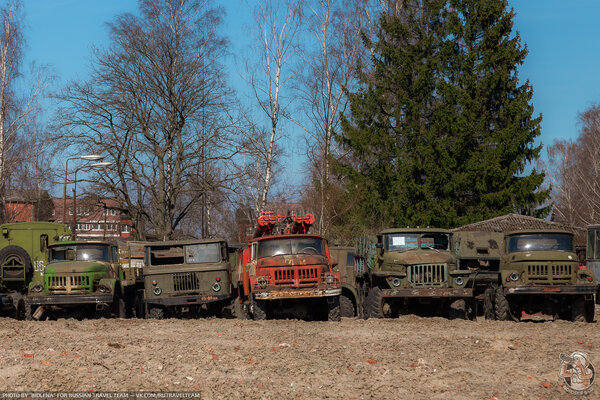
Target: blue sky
[(562, 38)]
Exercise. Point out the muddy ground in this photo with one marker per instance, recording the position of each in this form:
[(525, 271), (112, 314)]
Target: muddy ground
[(405, 358)]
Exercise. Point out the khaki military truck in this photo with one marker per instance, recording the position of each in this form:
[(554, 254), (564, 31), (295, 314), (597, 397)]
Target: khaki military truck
[(415, 267), (352, 296), (480, 253), (22, 256), (188, 277), (81, 279), (541, 278)]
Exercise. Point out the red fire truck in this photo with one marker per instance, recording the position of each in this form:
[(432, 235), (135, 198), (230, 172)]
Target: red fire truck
[(286, 271)]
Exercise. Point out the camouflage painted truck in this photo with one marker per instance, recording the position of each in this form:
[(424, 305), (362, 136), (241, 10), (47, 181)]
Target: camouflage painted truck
[(417, 268), (190, 277), (23, 255), (81, 279), (541, 278), (480, 253), (286, 271)]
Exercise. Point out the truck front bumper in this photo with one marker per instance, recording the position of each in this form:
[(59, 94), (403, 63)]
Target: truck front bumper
[(186, 300), (551, 289), (71, 299), (292, 293), (428, 292)]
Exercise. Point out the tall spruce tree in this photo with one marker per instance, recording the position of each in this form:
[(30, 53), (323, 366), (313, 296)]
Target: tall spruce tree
[(441, 131)]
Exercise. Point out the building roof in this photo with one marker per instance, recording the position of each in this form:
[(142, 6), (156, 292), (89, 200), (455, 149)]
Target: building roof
[(514, 222)]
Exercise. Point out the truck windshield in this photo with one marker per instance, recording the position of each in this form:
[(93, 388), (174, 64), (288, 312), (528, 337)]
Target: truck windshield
[(202, 253), (80, 252), (540, 242), (410, 241), (276, 247)]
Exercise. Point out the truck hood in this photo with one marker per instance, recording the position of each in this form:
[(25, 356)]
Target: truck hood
[(69, 267), (542, 256), (291, 260), (416, 257)]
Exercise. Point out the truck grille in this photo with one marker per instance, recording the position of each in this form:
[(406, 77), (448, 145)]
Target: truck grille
[(427, 275), (68, 283), (544, 273), (185, 282), (296, 276)]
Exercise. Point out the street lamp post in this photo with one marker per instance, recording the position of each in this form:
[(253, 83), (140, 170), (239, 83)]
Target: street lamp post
[(90, 157), (95, 165)]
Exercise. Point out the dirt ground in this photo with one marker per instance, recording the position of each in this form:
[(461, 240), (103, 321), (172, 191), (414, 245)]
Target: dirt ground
[(405, 358)]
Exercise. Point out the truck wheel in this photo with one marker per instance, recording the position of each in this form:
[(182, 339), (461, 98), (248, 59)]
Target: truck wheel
[(488, 303), (259, 310), (346, 307), (333, 309), (458, 309), (239, 309), (28, 312), (156, 313), (17, 257), (120, 310), (374, 303), (19, 310), (578, 309), (501, 306)]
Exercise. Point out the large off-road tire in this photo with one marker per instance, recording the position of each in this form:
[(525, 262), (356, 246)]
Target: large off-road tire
[(578, 311), (488, 303), (15, 256), (346, 307), (239, 309), (156, 313), (501, 306), (458, 309), (259, 310), (333, 309), (28, 312), (374, 303)]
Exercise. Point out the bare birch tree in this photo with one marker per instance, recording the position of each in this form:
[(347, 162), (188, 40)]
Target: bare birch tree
[(155, 106), (277, 24)]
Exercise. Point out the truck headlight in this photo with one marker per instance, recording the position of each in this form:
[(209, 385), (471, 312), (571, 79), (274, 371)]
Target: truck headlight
[(396, 282), (514, 277), (262, 282), (103, 289), (329, 279), (459, 281), (157, 291), (216, 286), (37, 288)]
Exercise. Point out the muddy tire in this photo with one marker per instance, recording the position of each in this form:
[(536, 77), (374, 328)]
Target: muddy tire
[(239, 309), (488, 303), (346, 307), (334, 309), (28, 312), (501, 306), (259, 310), (19, 309), (15, 256), (458, 309), (156, 313), (578, 312), (374, 303)]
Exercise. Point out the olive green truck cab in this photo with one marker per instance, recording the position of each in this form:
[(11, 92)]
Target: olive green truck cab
[(23, 256), (187, 277), (81, 278), (541, 279), (416, 266)]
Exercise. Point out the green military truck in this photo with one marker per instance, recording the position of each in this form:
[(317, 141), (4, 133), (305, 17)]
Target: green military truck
[(416, 267), (187, 277), (480, 253), (23, 256), (541, 278), (81, 278)]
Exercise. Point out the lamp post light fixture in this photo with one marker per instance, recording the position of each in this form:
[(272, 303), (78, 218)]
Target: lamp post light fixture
[(89, 157), (103, 164)]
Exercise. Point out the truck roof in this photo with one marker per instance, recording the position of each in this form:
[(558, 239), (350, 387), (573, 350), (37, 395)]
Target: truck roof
[(415, 230), (183, 242), (538, 231), (34, 225), (70, 242), (286, 235)]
